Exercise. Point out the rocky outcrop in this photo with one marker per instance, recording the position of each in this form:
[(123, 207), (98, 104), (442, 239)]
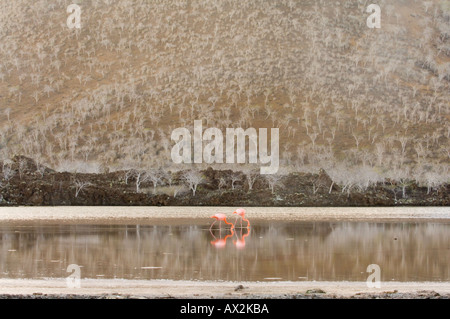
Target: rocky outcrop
[(37, 186)]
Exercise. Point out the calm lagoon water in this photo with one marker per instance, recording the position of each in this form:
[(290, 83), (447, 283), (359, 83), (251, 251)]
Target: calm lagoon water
[(270, 250)]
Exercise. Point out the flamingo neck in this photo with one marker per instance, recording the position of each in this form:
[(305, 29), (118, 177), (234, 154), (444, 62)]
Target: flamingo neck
[(232, 225), (229, 235)]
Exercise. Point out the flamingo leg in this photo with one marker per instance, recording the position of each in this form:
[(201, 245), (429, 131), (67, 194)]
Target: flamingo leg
[(235, 222), (212, 234)]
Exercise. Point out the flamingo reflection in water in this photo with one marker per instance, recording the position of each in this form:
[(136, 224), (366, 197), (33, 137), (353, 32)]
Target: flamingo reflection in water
[(240, 242), (221, 242)]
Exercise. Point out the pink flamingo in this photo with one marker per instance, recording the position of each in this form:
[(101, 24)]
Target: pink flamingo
[(221, 217), (241, 213)]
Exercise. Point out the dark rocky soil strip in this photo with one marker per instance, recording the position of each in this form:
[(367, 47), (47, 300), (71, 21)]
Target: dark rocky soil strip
[(29, 186)]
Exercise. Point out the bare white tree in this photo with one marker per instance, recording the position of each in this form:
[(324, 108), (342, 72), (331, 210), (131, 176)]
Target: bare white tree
[(176, 189), (193, 179), (273, 180), (79, 186), (141, 177), (235, 177), (222, 183), (128, 173), (155, 177), (250, 176)]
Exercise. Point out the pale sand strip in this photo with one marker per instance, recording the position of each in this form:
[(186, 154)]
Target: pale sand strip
[(207, 289), (200, 215)]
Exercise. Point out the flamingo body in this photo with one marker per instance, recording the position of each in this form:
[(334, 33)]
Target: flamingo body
[(221, 217)]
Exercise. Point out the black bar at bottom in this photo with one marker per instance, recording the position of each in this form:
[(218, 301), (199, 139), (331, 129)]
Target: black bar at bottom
[(221, 308)]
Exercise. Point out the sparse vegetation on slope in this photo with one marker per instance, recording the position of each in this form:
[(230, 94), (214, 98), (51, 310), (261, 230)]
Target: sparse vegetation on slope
[(369, 106)]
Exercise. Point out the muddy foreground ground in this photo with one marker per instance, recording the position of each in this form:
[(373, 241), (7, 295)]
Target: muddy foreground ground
[(165, 289)]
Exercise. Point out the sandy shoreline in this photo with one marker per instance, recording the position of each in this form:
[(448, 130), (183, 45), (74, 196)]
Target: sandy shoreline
[(200, 215), (214, 289)]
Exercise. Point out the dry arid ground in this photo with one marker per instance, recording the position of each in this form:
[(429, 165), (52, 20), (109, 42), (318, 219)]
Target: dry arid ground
[(365, 105)]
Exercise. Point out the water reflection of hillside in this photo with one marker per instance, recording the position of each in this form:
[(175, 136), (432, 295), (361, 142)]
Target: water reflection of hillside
[(291, 251)]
